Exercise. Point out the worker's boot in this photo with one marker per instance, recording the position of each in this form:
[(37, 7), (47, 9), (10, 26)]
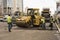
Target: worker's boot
[(9, 30)]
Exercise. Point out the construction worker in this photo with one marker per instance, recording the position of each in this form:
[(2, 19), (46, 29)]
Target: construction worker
[(43, 23), (51, 24), (9, 21)]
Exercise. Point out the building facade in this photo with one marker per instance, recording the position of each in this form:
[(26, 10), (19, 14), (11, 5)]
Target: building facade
[(10, 6), (1, 7), (18, 5)]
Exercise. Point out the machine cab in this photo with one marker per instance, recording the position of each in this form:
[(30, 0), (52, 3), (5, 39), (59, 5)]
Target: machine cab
[(32, 11), (35, 16)]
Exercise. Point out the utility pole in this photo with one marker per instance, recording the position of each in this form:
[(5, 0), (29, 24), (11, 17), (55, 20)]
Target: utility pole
[(2, 7), (14, 5), (22, 8)]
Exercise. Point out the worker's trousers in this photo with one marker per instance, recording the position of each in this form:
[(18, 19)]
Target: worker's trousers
[(9, 27), (43, 25), (51, 25)]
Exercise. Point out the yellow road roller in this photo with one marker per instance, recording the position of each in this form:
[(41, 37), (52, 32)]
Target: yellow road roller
[(31, 19)]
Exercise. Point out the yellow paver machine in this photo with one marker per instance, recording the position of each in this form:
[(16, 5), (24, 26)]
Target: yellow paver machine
[(31, 19)]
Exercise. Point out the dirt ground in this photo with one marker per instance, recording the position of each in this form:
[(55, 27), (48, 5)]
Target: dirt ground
[(26, 34)]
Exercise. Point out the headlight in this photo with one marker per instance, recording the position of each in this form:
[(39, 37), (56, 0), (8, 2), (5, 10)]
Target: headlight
[(18, 19), (22, 19)]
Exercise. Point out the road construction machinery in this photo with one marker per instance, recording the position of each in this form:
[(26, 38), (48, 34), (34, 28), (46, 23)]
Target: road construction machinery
[(48, 17), (31, 19), (46, 14)]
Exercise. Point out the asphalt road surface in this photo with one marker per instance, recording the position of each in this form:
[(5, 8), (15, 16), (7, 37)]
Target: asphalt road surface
[(27, 34)]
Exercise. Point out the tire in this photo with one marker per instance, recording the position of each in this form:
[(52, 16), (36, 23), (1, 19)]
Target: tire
[(18, 25), (29, 25)]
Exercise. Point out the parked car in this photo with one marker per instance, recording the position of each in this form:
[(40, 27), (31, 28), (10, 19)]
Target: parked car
[(5, 18), (1, 18)]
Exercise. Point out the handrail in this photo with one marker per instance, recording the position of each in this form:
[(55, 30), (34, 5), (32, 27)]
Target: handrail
[(57, 27)]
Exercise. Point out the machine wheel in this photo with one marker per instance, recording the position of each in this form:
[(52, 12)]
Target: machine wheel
[(28, 25), (18, 25)]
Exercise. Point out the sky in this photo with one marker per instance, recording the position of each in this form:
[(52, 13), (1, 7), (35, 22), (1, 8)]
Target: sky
[(41, 4)]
